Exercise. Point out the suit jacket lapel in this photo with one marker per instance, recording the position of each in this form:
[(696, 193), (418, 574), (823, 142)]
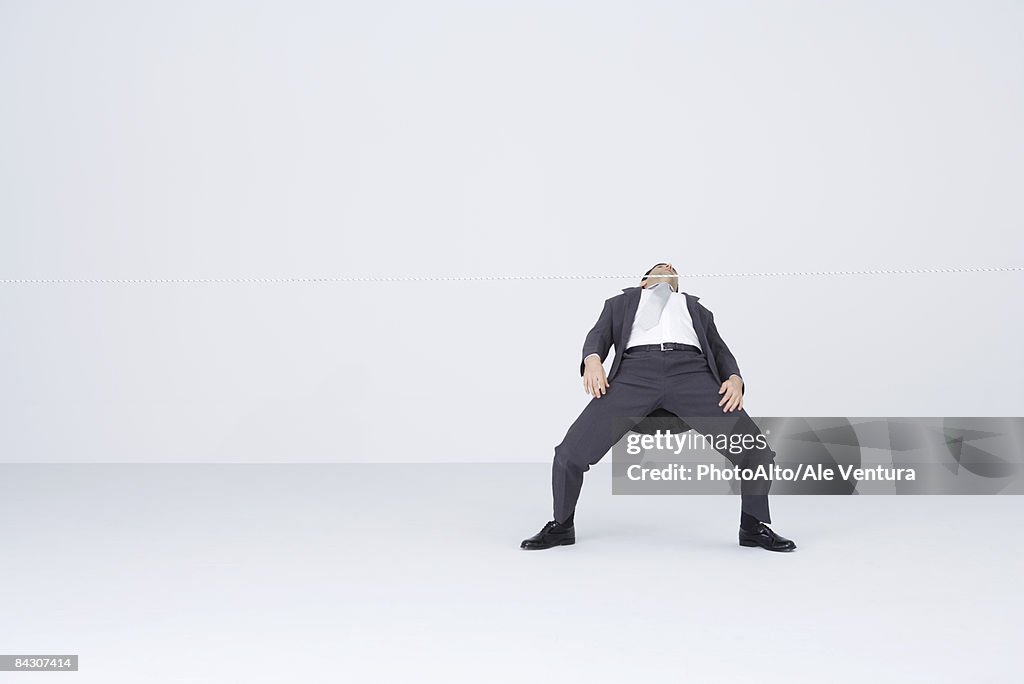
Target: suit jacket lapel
[(632, 303), (695, 317)]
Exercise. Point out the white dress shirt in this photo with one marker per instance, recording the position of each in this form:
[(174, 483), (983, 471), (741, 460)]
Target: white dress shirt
[(675, 324)]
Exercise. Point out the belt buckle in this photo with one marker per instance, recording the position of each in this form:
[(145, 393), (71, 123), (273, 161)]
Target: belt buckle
[(664, 348)]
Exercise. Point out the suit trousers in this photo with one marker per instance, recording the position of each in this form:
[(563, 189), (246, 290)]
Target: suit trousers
[(679, 381)]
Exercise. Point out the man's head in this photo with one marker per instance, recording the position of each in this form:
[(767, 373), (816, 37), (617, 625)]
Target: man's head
[(671, 276)]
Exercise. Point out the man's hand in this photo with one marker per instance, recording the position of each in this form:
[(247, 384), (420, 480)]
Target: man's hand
[(733, 399), (595, 381)]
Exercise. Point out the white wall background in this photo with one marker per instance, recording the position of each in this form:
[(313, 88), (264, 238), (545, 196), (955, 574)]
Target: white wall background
[(308, 139)]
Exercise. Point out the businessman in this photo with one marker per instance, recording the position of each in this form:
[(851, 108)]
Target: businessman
[(668, 357)]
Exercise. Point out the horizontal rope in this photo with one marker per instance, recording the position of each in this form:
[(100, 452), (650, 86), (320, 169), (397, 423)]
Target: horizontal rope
[(414, 278)]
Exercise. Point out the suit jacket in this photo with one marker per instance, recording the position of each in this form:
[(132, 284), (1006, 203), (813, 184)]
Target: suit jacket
[(616, 322)]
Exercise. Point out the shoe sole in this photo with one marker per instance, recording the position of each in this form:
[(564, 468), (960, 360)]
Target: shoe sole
[(754, 543), (567, 542)]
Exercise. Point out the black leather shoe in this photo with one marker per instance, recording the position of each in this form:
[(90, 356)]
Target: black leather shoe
[(553, 534), (763, 536)]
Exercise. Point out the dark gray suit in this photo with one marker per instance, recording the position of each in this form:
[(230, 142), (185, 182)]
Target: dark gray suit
[(683, 383)]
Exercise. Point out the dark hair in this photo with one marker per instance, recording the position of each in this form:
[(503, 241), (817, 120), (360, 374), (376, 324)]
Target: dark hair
[(644, 279)]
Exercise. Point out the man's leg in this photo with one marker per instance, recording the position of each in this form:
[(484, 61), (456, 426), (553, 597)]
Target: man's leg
[(692, 394), (737, 425), (633, 393)]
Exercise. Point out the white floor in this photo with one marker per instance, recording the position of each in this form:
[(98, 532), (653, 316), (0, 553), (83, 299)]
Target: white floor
[(412, 573)]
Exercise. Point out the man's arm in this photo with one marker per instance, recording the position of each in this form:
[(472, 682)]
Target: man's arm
[(727, 366), (599, 339)]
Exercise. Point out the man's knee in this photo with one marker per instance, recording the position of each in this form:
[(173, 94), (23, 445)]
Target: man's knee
[(758, 456), (570, 459)]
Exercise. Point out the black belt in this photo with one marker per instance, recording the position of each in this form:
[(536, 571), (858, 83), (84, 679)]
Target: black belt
[(665, 346)]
